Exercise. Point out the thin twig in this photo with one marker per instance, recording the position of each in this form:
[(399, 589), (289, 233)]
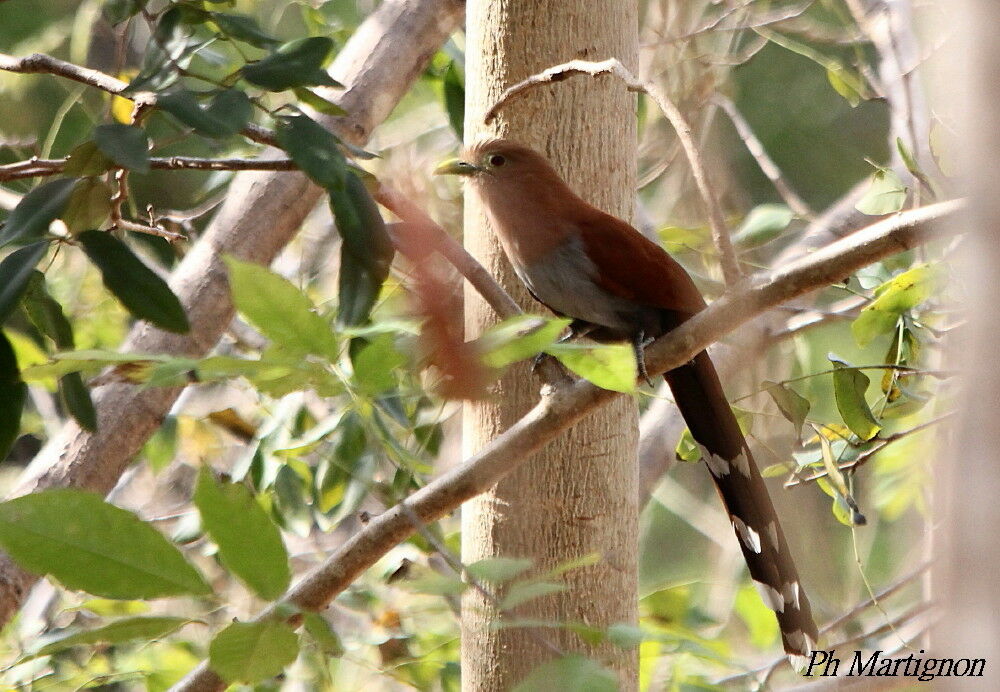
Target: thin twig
[(713, 210), (434, 237), (40, 63), (865, 456), (765, 162), (32, 168), (775, 664)]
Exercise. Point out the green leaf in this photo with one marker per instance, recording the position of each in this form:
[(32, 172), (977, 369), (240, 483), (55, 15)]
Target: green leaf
[(453, 87), (228, 113), (792, 405), (253, 651), (93, 546), (885, 195), (845, 509), (279, 310), (12, 395), (31, 217), (609, 366), (87, 159), (499, 569), (849, 387), (16, 270), (845, 84), (140, 290), (366, 253), (170, 48), (625, 636), (249, 543), (528, 591), (687, 449), (243, 28), (294, 64), (314, 149), (117, 632), (325, 106), (517, 338), (321, 632), (126, 145), (75, 397), (893, 298), (572, 672), (89, 205), (47, 314), (763, 224), (377, 364)]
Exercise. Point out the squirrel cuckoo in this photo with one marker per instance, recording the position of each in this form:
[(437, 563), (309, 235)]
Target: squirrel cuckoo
[(616, 285)]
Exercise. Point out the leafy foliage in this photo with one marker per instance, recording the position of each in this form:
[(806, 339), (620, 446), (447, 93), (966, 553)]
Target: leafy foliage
[(323, 403)]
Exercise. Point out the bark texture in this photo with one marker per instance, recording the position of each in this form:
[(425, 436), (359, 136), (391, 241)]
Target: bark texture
[(969, 477), (579, 495)]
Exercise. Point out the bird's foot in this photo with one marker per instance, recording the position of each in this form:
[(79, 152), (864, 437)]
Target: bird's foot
[(639, 343)]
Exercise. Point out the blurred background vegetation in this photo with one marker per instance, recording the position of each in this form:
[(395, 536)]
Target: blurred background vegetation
[(806, 77)]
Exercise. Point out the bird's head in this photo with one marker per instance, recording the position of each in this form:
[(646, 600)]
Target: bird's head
[(498, 160)]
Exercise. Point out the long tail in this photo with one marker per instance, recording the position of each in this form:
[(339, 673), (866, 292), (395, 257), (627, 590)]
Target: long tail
[(702, 402)]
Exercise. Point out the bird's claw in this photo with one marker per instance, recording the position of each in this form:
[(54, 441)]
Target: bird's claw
[(639, 343)]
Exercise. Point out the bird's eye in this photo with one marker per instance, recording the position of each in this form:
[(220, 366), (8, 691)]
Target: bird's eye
[(496, 160)]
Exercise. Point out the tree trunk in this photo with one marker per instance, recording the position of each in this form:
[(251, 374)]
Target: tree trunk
[(579, 495), (968, 484)]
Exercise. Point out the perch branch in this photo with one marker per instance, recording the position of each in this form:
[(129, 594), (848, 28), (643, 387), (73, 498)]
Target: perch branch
[(564, 404)]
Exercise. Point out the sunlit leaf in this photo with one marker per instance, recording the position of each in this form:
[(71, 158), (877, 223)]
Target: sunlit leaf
[(763, 224), (893, 298), (453, 87), (885, 195), (377, 364), (792, 405), (125, 630), (253, 651), (249, 543), (93, 546), (139, 288), (609, 366), (849, 387), (279, 310)]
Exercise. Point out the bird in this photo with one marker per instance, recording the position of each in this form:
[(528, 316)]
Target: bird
[(616, 285)]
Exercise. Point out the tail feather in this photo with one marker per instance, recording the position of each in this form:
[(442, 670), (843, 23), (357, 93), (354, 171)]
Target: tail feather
[(703, 404)]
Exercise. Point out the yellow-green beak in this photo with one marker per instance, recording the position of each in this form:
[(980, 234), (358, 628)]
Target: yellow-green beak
[(456, 167)]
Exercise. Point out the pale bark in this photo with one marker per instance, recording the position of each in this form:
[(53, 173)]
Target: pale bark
[(968, 484), (261, 214), (578, 496)]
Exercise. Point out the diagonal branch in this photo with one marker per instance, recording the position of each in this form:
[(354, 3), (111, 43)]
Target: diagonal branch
[(564, 404), (261, 214)]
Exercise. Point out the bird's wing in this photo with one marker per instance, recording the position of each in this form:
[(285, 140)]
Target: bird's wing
[(634, 267)]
